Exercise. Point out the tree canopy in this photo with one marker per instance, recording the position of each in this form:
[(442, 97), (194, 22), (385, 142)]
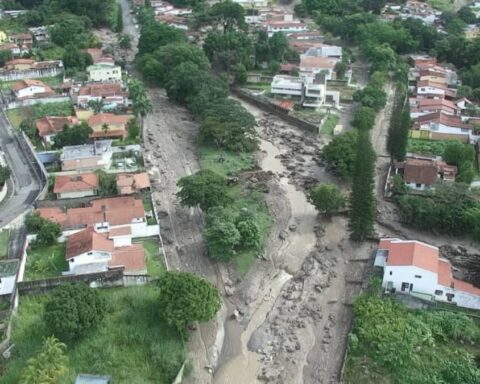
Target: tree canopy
[(73, 310), (327, 198), (340, 153), (184, 298)]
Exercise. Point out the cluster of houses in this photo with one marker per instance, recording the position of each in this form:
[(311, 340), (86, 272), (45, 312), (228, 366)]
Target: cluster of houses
[(416, 268)]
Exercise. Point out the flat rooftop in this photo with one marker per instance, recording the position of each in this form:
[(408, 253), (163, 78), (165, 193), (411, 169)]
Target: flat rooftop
[(87, 150)]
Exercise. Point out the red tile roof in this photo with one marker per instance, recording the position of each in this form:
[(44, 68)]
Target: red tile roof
[(443, 118), (75, 183), (51, 125), (101, 90), (115, 210), (131, 257), (317, 62), (411, 252), (28, 83), (128, 183), (420, 171), (121, 133), (87, 240), (108, 118)]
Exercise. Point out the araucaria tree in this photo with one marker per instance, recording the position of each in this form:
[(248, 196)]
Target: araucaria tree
[(185, 298), (362, 200), (73, 310), (397, 138)]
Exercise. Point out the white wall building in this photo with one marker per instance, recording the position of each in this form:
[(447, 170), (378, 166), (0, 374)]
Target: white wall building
[(413, 267), (309, 92), (104, 72)]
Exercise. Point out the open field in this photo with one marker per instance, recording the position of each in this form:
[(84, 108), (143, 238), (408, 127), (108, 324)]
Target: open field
[(224, 162), (44, 262), (131, 344)]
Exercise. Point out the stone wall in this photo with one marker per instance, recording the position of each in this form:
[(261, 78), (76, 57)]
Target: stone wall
[(31, 74)]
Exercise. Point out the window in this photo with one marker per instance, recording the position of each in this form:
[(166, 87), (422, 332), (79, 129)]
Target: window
[(438, 292), (418, 276), (418, 185), (450, 296)]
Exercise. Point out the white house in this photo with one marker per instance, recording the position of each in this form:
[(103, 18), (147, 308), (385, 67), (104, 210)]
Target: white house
[(444, 126), (89, 251), (28, 88), (104, 72), (415, 268), (88, 156), (309, 91), (313, 65), (287, 26)]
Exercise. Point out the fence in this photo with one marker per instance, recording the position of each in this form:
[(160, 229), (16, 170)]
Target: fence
[(31, 74), (107, 279), (267, 106), (28, 102)]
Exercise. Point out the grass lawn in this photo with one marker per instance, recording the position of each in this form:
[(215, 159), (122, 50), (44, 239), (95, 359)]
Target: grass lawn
[(255, 204), (442, 5), (225, 163), (427, 147), (346, 92), (258, 86), (4, 237), (131, 344), (44, 262), (155, 267), (15, 116), (329, 124)]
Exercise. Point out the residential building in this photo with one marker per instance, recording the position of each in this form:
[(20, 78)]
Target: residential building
[(103, 214), (173, 21), (318, 65), (8, 278), (104, 72), (22, 39), (31, 65), (441, 126), (423, 172), (30, 89), (13, 48), (108, 93), (434, 90), (248, 4), (129, 183), (78, 185), (40, 33), (89, 251), (49, 126), (324, 50), (415, 268), (420, 107), (286, 24), (87, 157), (109, 125), (308, 90)]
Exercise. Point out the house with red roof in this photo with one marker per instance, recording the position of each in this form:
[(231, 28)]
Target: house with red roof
[(104, 215), (109, 125), (89, 251), (78, 185), (30, 89), (416, 268), (49, 126)]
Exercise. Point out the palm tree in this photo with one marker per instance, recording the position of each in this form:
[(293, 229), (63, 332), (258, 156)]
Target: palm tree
[(142, 106), (49, 365), (105, 128)]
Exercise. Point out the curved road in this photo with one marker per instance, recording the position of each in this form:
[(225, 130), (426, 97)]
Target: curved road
[(23, 165)]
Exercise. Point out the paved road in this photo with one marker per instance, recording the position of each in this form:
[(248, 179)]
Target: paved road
[(26, 182)]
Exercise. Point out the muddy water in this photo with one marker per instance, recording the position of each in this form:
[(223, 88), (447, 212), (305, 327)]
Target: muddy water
[(243, 366)]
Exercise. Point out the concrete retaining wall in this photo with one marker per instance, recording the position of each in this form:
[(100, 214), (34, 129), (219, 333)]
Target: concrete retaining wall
[(32, 74), (267, 106), (27, 102)]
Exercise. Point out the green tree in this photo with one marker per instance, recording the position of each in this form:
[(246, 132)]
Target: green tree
[(4, 174), (33, 222), (205, 189), (48, 366), (75, 59), (229, 15), (73, 310), (221, 234), (154, 35), (48, 233), (249, 232), (339, 154), (70, 30), (119, 26), (362, 200), (183, 80), (240, 73), (107, 183), (397, 138), (96, 105), (74, 135), (371, 96), (184, 298), (341, 69), (125, 41), (327, 198), (229, 49), (364, 118)]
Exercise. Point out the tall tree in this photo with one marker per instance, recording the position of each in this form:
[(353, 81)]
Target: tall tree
[(362, 199), (397, 138), (228, 14)]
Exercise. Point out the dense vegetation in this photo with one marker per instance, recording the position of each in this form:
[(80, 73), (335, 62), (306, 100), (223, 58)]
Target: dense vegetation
[(392, 344), (397, 138)]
